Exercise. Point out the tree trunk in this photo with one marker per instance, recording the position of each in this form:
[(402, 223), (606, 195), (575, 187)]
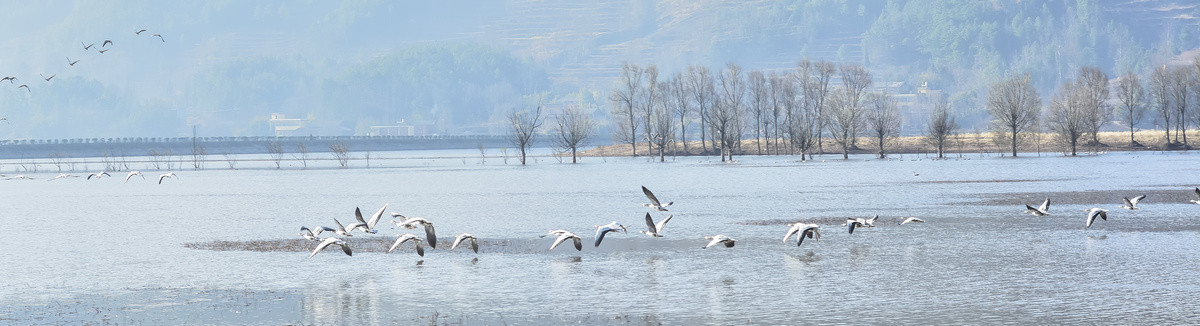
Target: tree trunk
[(1073, 144), (1131, 141), (573, 155), (522, 155), (941, 143), (881, 147), (683, 133), (1014, 142)]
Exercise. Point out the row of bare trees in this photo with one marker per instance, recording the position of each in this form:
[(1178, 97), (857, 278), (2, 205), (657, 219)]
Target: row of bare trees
[(784, 111)]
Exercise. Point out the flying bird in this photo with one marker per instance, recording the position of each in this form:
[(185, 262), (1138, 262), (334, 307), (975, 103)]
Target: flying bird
[(720, 239), (60, 175), (601, 230), (860, 223), (368, 226), (405, 238), (466, 237), (1131, 204), (654, 203), (160, 37), (102, 51), (1197, 200), (414, 221), (97, 175), (1040, 210), (340, 230), (139, 32), (655, 230), (106, 43), (26, 88), (332, 241), (87, 46), (47, 78), (72, 63), (912, 220), (1093, 213), (308, 234), (802, 230), (133, 173), (166, 175), (10, 79), (563, 235)]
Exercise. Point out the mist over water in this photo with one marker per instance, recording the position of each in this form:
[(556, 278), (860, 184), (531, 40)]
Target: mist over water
[(111, 245)]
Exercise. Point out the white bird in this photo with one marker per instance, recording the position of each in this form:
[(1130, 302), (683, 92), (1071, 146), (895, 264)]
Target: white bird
[(340, 230), (97, 175), (857, 223), (405, 238), (1131, 204), (655, 230), (308, 234), (654, 203), (720, 239), (367, 226), (1197, 200), (402, 219), (413, 221), (1093, 213), (1041, 210), (133, 173), (912, 220), (802, 230), (61, 176), (330, 241), (165, 175), (601, 230), (563, 235), (19, 177), (465, 237)]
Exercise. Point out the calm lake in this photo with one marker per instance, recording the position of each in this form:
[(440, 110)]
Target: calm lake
[(105, 250)]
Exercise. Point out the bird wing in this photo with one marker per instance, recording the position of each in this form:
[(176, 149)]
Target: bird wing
[(161, 177), (559, 240), (130, 175), (578, 243), (791, 230), (600, 234), (801, 238), (356, 225), (322, 246), (650, 195), (429, 235), (375, 218), (1127, 202), (729, 243), (1030, 209), (1091, 217), (650, 224), (1045, 206), (323, 229), (458, 240), (474, 245), (1197, 188), (1137, 199), (715, 241), (659, 227), (346, 249), (339, 224), (420, 249), (358, 216), (852, 227)]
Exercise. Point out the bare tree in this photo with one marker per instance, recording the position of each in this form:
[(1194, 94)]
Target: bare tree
[(1069, 116), (156, 159), (340, 152), (678, 96), (941, 126), (845, 120), (783, 91), (700, 83), (1092, 89), (573, 127), (726, 115), (651, 101), (624, 97), (824, 71), (1160, 92), (1181, 79), (57, 159), (855, 82), (1014, 105), (199, 155), (662, 128), (1131, 95), (883, 117), (275, 150), (230, 159), (302, 154), (760, 102), (523, 126)]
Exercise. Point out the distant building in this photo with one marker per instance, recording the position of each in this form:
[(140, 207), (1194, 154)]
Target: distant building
[(283, 126), (403, 128)]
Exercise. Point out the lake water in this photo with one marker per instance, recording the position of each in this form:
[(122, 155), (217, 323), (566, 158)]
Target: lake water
[(78, 250)]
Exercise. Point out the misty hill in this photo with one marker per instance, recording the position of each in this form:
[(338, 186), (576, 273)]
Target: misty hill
[(455, 68)]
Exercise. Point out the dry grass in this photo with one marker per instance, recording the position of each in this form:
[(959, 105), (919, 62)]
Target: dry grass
[(985, 142)]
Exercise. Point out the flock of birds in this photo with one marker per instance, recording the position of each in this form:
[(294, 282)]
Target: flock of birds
[(104, 46), (799, 230), (90, 176)]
